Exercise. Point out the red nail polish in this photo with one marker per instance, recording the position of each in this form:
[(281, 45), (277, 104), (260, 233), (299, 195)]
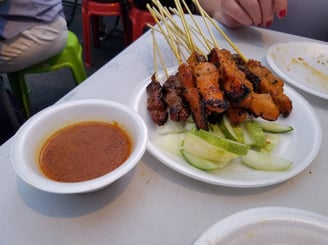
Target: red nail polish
[(268, 23), (282, 13)]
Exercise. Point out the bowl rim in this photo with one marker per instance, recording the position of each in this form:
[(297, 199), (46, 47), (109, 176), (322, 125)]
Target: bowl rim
[(41, 182)]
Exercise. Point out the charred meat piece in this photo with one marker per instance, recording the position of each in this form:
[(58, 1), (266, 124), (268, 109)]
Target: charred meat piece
[(233, 82), (272, 85), (262, 105), (155, 102), (192, 97), (236, 115), (195, 58), (255, 80), (178, 109), (206, 76)]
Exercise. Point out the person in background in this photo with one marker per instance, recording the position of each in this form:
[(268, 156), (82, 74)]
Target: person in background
[(31, 31), (237, 13), (303, 18)]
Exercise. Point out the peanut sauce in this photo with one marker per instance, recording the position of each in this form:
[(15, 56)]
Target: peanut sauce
[(84, 151)]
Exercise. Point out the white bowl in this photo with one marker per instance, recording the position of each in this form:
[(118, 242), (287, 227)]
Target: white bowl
[(29, 139)]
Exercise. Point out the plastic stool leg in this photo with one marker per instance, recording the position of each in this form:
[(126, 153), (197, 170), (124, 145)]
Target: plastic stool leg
[(78, 70), (19, 89), (86, 39)]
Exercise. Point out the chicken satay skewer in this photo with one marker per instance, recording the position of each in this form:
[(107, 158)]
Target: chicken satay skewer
[(190, 93)]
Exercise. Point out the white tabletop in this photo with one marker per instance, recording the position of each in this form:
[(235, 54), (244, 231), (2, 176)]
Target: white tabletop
[(152, 204)]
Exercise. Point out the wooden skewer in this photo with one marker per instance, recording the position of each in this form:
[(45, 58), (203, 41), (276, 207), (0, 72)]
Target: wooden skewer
[(217, 27), (166, 36), (206, 23), (174, 33), (156, 50), (185, 25), (178, 38), (154, 53), (197, 32)]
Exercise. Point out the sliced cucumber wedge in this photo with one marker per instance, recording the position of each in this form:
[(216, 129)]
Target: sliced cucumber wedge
[(171, 127), (230, 131), (203, 149), (265, 161), (274, 127), (272, 140), (223, 143), (256, 133), (202, 163)]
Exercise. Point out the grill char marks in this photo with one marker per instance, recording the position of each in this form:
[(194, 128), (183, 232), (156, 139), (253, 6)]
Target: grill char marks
[(178, 108), (155, 102)]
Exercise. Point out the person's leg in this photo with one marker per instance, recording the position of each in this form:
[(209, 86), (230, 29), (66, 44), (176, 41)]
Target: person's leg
[(33, 46)]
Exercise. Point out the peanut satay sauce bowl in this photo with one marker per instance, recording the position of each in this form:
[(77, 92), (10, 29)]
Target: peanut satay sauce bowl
[(62, 149)]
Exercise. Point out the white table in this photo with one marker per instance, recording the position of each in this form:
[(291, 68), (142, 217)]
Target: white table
[(152, 204)]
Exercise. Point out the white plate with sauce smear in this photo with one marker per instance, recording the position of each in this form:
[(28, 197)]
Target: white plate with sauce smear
[(302, 64), (300, 146), (268, 225)]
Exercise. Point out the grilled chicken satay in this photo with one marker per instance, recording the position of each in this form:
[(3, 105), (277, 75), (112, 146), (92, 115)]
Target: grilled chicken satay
[(178, 109), (236, 87), (271, 84), (207, 76), (262, 105), (192, 96), (236, 115), (255, 80), (155, 102), (240, 90)]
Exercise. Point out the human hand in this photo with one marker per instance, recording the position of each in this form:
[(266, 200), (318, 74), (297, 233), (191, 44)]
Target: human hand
[(236, 13)]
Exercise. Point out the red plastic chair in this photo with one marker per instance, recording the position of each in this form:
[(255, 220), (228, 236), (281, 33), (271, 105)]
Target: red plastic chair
[(91, 10), (137, 21)]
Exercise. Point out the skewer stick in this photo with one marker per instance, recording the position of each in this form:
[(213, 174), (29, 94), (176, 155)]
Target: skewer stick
[(196, 24), (185, 25), (205, 21), (175, 28), (156, 51), (205, 42), (203, 12), (166, 36), (175, 32)]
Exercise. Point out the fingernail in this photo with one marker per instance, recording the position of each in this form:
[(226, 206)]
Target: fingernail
[(282, 13), (268, 23)]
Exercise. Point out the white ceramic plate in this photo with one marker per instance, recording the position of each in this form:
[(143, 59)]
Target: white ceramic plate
[(268, 225), (301, 146), (302, 64)]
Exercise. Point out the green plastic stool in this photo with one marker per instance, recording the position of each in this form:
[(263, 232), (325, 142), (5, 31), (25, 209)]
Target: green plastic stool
[(70, 57)]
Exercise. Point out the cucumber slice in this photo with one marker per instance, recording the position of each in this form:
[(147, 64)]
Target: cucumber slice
[(202, 163), (256, 133), (203, 149), (274, 127), (230, 131), (265, 161), (170, 142), (272, 140), (215, 129), (248, 140), (171, 127), (223, 143)]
